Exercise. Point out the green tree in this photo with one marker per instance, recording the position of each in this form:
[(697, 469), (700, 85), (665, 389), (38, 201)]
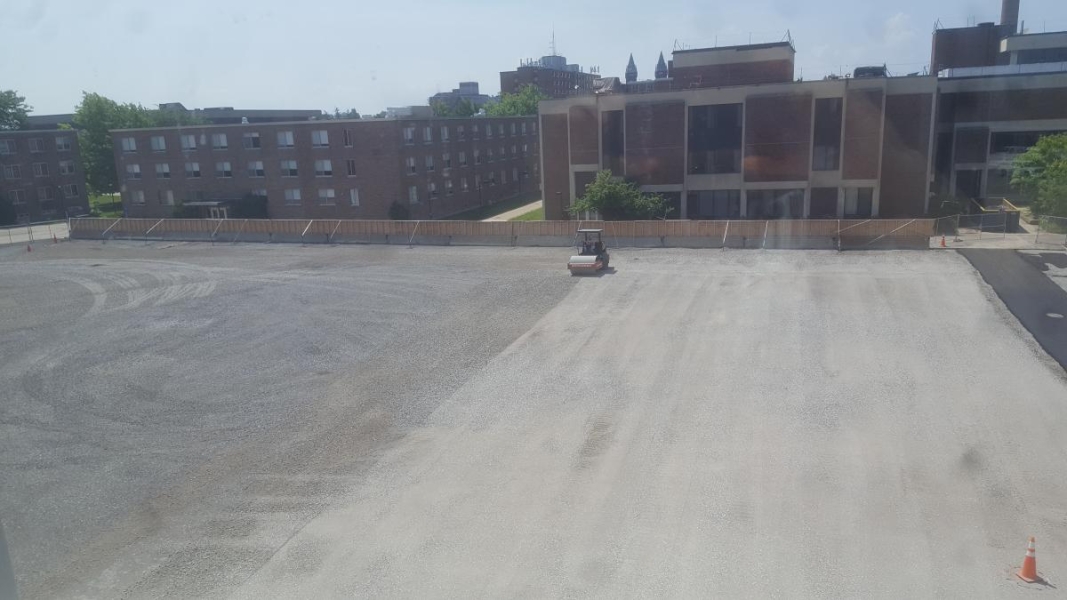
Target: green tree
[(380, 115), (516, 105), (96, 116), (461, 108), (618, 200), (1040, 173), (13, 110), (8, 216), (342, 114)]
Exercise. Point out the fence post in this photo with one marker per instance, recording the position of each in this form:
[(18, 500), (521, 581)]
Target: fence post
[(724, 234), (1037, 238), (766, 226)]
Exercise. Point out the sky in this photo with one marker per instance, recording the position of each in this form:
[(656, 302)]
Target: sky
[(367, 56)]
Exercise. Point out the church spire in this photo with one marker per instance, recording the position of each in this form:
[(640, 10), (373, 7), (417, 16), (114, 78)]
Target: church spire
[(661, 68), (631, 71)]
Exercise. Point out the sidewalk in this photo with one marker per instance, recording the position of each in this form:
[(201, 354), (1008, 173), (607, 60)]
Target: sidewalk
[(518, 212)]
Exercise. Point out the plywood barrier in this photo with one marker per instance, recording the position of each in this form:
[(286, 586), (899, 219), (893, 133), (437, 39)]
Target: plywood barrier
[(851, 233)]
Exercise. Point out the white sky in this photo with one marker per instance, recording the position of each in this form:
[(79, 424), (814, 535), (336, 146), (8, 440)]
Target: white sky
[(356, 54)]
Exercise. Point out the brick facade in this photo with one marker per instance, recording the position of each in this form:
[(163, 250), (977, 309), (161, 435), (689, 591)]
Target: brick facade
[(41, 174)]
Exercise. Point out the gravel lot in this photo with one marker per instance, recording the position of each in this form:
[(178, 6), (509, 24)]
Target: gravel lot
[(278, 421)]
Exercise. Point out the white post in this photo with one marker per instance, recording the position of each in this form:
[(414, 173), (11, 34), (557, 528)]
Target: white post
[(766, 226)]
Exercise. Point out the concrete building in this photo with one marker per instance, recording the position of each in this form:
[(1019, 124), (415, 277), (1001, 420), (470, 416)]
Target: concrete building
[(467, 91), (730, 134), (550, 74), (40, 174), (352, 169)]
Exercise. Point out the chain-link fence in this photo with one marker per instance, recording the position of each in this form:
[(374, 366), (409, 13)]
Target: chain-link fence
[(1051, 231), (961, 228)]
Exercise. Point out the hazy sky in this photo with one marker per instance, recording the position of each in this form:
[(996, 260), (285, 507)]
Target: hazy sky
[(369, 55)]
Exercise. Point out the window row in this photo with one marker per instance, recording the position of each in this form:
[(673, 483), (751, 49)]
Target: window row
[(464, 185), (326, 196), (44, 194), (857, 202), (461, 132), (66, 167), (250, 140), (255, 169), (429, 161), (36, 145)]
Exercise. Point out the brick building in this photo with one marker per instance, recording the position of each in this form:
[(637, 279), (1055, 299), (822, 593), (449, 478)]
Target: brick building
[(40, 174), (730, 134), (550, 74), (354, 169)]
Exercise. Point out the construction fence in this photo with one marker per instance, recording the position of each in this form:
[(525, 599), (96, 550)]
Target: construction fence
[(834, 234)]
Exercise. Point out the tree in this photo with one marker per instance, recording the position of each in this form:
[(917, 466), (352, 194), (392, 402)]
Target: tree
[(8, 216), (13, 110), (516, 105), (342, 114), (96, 116), (1041, 174), (399, 212), (618, 200), (380, 115), (460, 108)]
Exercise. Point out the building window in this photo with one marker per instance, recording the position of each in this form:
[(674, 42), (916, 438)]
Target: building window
[(513, 129), (461, 133), (326, 196), (462, 159), (251, 141), (350, 167), (285, 139), (70, 190), (524, 128), (429, 164), (323, 168), (292, 197), (7, 147), (192, 169), (17, 196), (219, 141), (138, 196), (475, 131), (714, 204), (255, 169), (260, 193), (165, 197), (289, 168), (162, 170), (159, 143), (129, 144), (411, 165), (859, 202), (320, 139), (62, 144), (446, 161), (12, 172), (525, 149), (774, 204), (503, 178), (427, 135), (409, 135), (826, 135), (133, 171), (500, 130), (503, 153), (477, 157), (463, 185), (353, 197), (346, 137), (534, 126), (714, 139), (488, 155), (448, 187), (515, 174), (514, 150), (431, 189), (188, 142), (44, 194), (223, 169), (413, 194), (477, 181), (40, 169), (36, 145), (444, 133), (488, 131)]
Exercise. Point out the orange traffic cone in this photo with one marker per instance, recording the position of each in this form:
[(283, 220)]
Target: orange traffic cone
[(1028, 572), (943, 245)]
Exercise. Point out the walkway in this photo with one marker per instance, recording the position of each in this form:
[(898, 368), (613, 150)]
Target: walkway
[(518, 212)]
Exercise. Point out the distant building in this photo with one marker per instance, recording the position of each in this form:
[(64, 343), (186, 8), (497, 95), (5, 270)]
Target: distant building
[(550, 74), (48, 122), (41, 176), (409, 112), (226, 115), (467, 91), (331, 169), (631, 70)]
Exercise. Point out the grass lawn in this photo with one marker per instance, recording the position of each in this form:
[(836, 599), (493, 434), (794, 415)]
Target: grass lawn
[(484, 212), (537, 214), (105, 205)]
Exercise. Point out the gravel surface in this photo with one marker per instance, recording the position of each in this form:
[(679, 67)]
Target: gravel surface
[(382, 422)]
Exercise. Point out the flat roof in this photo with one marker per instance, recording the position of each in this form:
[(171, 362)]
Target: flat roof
[(320, 122), (738, 47)]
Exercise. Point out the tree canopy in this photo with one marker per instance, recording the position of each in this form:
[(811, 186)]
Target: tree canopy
[(342, 114), (96, 116), (13, 110), (516, 105), (618, 200), (460, 108), (1041, 174)]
